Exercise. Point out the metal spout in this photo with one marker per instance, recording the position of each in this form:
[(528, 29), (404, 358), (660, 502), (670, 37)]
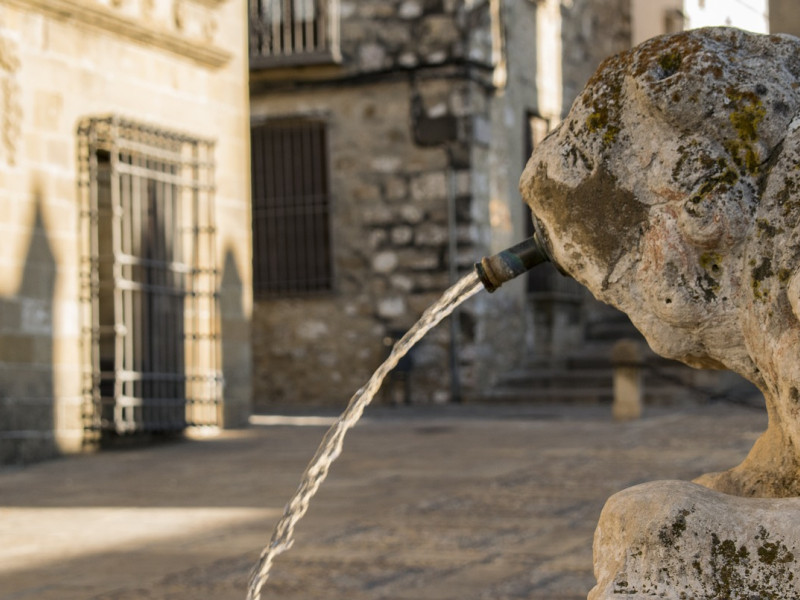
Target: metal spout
[(494, 271)]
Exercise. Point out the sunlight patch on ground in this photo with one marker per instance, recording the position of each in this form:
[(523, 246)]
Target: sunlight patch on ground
[(269, 420), (45, 535)]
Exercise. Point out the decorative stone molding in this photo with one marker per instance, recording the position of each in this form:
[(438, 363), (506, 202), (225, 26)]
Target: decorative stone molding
[(195, 19), (10, 105), (193, 25)]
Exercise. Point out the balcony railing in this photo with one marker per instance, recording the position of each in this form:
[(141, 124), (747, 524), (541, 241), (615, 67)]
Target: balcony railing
[(293, 32)]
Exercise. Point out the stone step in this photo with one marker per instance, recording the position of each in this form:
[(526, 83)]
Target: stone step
[(576, 395), (654, 394), (587, 377), (544, 377)]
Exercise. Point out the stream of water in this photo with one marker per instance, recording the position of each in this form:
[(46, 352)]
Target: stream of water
[(331, 445)]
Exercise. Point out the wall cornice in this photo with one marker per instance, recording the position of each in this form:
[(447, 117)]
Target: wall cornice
[(92, 14)]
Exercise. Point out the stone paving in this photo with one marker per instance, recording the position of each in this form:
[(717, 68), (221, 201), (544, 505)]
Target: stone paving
[(439, 503)]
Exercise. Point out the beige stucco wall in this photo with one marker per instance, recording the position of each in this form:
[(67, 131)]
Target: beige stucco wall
[(181, 66), (784, 17), (648, 18)]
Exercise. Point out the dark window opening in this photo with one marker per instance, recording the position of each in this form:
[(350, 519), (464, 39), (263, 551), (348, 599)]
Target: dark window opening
[(291, 208)]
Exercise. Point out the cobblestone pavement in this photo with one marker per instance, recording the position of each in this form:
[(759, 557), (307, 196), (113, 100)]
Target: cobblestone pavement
[(457, 502)]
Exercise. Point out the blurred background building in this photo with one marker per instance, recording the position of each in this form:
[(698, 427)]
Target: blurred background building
[(387, 142), (382, 147), (124, 209)]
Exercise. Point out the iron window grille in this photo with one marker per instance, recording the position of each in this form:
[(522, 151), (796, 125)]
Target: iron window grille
[(149, 293), (293, 32), (291, 208)]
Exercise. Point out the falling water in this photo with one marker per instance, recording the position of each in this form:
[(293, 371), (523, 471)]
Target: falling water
[(331, 445)]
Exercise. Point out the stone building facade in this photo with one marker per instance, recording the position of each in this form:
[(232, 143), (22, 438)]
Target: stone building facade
[(413, 120), (124, 209)]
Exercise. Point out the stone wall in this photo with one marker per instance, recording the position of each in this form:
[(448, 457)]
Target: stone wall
[(402, 110), (391, 237), (784, 17), (176, 65), (380, 35)]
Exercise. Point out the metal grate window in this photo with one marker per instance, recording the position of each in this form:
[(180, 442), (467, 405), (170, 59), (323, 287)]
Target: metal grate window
[(291, 208), (148, 279), (285, 32)]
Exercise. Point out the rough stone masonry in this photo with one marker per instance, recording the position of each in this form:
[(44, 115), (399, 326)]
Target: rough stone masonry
[(672, 192)]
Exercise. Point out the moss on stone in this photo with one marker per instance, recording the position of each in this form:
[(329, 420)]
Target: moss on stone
[(767, 229), (670, 62), (763, 270), (711, 261), (597, 120), (747, 114), (760, 272), (611, 134), (603, 98), (771, 553), (788, 199), (720, 182), (729, 568)]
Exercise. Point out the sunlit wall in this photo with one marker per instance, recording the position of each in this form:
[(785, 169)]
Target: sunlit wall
[(656, 17), (60, 63), (752, 15)]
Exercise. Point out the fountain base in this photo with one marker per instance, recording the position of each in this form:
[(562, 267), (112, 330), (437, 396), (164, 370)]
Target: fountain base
[(674, 539)]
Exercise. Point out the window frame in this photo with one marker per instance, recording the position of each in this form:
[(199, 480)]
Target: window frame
[(148, 258), (293, 47), (296, 260)]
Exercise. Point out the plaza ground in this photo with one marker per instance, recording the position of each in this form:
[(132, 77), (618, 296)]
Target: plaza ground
[(425, 503)]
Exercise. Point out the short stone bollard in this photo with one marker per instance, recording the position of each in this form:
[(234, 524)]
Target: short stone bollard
[(627, 360)]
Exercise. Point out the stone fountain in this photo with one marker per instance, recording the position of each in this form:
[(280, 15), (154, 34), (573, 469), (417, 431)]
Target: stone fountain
[(672, 191)]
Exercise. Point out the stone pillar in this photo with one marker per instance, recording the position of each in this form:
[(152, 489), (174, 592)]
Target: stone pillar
[(626, 356)]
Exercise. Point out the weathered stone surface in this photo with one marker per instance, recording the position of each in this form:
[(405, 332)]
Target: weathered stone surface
[(670, 191), (675, 540)]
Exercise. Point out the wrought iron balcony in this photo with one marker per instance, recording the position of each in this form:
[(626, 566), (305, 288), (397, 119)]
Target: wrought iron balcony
[(293, 32)]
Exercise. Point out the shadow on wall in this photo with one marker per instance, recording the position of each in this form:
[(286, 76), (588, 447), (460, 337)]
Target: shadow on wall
[(27, 419), (235, 335)]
